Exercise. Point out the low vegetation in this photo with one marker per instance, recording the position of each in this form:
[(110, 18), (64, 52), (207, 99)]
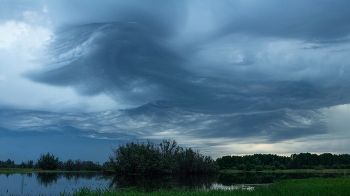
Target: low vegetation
[(132, 158), (163, 158), (260, 162), (48, 162), (307, 187), (169, 158)]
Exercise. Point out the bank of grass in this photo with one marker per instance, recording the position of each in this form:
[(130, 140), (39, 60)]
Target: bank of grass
[(306, 187), (29, 170), (18, 170), (331, 171)]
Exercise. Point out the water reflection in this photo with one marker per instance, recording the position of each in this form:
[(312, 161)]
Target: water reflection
[(263, 178), (55, 183), (49, 183), (48, 179), (221, 181), (150, 183)]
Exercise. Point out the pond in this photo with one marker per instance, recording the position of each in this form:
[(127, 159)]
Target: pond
[(54, 183)]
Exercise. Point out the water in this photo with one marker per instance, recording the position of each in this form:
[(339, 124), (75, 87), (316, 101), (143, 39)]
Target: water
[(48, 183), (55, 183)]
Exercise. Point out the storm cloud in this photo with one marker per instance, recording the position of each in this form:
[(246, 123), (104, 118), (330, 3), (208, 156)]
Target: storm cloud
[(240, 70)]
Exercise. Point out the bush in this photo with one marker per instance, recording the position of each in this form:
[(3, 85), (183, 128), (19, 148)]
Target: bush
[(320, 167), (241, 167), (258, 168), (249, 167), (164, 158), (304, 167), (48, 162), (69, 165)]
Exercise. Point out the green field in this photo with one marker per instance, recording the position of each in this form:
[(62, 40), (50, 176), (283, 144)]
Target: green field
[(307, 187), (333, 171)]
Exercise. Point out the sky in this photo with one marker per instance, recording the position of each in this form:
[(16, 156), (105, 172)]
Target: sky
[(230, 77)]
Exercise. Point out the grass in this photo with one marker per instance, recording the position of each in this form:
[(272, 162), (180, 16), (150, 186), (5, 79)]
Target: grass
[(30, 170), (332, 171), (307, 187), (18, 170)]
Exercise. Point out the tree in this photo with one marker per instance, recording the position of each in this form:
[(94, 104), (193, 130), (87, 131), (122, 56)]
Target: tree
[(164, 158), (69, 165), (48, 162)]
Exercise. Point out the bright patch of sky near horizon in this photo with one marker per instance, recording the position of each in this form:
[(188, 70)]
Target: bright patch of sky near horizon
[(226, 78)]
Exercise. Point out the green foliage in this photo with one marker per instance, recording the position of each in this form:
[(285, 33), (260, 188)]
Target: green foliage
[(283, 167), (295, 161), (7, 164), (78, 165), (258, 168), (164, 158), (320, 167), (69, 165), (311, 187), (241, 167), (48, 162), (248, 167)]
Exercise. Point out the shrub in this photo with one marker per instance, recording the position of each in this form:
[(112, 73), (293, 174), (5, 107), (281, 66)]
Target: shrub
[(48, 162), (282, 167), (241, 167), (320, 167), (164, 158), (258, 168)]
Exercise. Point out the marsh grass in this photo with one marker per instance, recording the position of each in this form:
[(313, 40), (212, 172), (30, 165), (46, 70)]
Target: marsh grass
[(307, 187)]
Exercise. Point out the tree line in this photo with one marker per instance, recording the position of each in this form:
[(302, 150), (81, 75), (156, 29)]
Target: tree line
[(260, 162), (167, 157), (50, 162), (148, 158)]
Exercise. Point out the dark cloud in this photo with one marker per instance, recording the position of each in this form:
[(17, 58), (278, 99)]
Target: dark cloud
[(322, 22), (163, 17), (245, 73), (119, 59), (131, 64), (151, 120)]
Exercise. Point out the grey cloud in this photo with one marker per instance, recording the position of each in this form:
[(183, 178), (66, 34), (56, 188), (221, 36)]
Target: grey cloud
[(135, 53), (324, 21), (163, 17), (132, 65), (153, 121), (114, 58)]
